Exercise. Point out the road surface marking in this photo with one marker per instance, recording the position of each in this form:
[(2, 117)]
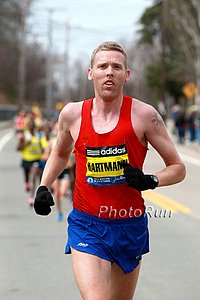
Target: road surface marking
[(190, 159), (165, 202), (5, 139)]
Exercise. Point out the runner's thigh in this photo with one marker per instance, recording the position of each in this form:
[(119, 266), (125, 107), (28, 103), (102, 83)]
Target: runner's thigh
[(122, 286), (92, 275)]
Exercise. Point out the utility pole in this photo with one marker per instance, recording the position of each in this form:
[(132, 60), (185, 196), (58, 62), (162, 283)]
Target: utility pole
[(163, 54), (66, 62), (49, 71), (22, 53)]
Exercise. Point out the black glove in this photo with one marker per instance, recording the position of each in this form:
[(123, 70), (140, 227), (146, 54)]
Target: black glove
[(43, 201), (137, 180)]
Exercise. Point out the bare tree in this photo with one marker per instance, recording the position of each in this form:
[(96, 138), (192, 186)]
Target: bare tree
[(140, 57), (12, 30), (186, 15)]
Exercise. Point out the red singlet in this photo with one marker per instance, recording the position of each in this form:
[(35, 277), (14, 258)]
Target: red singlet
[(100, 187)]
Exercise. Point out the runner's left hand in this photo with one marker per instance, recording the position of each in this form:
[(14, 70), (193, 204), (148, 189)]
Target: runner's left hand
[(138, 180)]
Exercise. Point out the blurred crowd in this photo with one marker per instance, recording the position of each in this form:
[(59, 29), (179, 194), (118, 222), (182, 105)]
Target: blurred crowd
[(186, 123), (35, 139)]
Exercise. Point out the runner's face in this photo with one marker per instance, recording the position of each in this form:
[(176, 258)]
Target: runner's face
[(108, 74)]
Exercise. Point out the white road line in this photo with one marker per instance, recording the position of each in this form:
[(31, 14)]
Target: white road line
[(190, 159), (5, 139), (9, 135)]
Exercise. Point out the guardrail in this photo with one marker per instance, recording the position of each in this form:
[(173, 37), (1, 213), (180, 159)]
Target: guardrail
[(7, 112)]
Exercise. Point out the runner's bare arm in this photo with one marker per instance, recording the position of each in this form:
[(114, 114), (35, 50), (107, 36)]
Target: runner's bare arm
[(156, 134), (61, 151)]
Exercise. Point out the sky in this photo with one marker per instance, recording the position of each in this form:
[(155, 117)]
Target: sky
[(79, 26)]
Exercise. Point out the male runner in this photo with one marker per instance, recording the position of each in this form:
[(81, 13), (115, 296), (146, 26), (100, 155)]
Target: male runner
[(108, 231)]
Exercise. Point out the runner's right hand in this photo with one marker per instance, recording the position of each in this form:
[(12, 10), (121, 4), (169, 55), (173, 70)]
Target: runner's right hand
[(43, 201)]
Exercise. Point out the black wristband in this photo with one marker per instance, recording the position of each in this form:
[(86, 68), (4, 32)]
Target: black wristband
[(154, 181)]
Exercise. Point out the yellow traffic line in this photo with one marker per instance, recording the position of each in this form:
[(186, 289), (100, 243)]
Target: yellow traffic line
[(165, 202)]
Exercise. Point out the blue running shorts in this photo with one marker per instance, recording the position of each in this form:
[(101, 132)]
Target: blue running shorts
[(121, 241)]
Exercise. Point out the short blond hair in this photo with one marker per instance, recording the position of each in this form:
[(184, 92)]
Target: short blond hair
[(109, 46)]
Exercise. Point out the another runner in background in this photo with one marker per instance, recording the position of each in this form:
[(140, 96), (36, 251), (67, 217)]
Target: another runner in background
[(62, 187), (29, 145)]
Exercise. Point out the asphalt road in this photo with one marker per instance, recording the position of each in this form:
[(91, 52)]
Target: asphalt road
[(32, 261)]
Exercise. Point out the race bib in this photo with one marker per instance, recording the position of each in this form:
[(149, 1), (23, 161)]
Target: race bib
[(104, 165)]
